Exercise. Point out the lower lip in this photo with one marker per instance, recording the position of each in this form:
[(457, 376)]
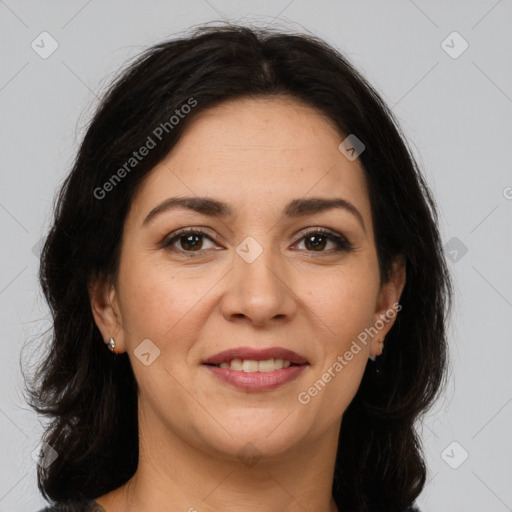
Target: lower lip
[(257, 381)]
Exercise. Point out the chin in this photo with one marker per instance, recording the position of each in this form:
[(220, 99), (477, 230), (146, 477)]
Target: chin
[(250, 439)]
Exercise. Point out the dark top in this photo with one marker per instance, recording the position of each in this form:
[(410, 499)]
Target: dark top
[(86, 505)]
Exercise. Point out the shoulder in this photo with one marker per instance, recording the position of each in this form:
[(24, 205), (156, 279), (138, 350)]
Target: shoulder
[(83, 505)]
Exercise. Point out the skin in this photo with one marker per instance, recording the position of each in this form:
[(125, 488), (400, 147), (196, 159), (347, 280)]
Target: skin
[(256, 155)]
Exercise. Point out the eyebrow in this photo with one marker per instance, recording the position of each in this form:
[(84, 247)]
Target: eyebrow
[(214, 208)]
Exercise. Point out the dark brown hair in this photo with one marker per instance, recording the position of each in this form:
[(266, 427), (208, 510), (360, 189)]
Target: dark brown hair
[(90, 396)]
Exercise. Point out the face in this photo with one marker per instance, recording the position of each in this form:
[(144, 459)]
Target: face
[(273, 271)]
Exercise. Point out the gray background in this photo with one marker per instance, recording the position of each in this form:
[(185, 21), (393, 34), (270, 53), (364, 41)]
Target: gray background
[(456, 113)]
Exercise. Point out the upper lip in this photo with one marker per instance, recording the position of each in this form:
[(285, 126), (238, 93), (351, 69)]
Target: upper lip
[(256, 355)]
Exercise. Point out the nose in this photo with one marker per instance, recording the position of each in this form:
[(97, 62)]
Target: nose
[(260, 292)]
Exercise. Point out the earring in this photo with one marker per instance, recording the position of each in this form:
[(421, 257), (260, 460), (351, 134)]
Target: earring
[(112, 345), (380, 342)]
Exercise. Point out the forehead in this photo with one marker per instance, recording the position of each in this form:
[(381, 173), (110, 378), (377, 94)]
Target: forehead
[(252, 151), (275, 123)]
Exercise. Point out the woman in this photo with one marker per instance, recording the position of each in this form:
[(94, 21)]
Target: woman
[(248, 290)]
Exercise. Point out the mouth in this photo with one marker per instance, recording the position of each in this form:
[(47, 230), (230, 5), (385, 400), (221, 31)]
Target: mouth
[(251, 365), (250, 359), (256, 369)]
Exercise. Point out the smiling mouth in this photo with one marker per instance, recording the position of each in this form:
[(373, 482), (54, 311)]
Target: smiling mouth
[(252, 366)]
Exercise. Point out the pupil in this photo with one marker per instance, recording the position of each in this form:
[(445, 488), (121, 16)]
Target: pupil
[(188, 240), (315, 245)]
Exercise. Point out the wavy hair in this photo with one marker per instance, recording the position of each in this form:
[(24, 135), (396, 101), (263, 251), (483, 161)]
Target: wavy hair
[(90, 395)]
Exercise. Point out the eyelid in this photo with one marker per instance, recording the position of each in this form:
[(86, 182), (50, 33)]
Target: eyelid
[(317, 229)]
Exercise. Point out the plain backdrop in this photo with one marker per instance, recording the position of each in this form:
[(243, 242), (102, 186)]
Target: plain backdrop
[(452, 94)]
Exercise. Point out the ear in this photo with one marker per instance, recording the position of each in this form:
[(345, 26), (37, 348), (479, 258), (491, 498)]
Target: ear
[(105, 310), (387, 306)]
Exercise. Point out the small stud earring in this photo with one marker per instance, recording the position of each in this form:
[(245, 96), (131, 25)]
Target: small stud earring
[(380, 342), (112, 345)]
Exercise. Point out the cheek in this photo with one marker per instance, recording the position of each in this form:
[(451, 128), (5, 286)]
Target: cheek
[(345, 306), (158, 297), (345, 301)]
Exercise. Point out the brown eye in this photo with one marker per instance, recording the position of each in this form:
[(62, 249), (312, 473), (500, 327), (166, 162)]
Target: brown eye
[(187, 240), (193, 242), (317, 240)]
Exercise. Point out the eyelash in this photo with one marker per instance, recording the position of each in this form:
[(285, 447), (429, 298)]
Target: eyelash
[(342, 244)]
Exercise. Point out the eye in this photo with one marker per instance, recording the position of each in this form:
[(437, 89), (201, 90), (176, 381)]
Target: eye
[(317, 239), (187, 239)]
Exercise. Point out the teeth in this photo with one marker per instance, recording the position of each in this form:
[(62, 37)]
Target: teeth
[(249, 365), (236, 364), (266, 366)]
